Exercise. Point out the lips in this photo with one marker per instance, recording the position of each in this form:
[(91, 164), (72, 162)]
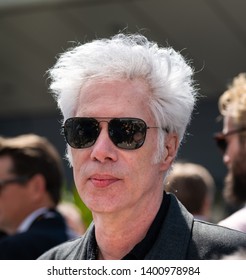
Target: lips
[(102, 181)]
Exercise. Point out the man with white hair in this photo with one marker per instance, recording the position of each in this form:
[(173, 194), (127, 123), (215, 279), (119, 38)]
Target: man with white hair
[(126, 103)]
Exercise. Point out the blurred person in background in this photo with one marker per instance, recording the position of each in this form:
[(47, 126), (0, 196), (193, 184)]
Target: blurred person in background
[(232, 142), (238, 255), (31, 177), (194, 186), (2, 234), (126, 103), (73, 218)]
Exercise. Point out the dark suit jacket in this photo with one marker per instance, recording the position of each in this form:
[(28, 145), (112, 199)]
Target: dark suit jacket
[(44, 233), (181, 237), (2, 234)]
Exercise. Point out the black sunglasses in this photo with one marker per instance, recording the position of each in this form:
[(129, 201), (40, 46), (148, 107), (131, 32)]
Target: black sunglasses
[(220, 138), (125, 133)]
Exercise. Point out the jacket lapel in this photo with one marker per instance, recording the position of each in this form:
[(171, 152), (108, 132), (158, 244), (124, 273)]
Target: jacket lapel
[(173, 240)]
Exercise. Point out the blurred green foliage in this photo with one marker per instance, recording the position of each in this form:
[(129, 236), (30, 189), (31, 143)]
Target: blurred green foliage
[(71, 195)]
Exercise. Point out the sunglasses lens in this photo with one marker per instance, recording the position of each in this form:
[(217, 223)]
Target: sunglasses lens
[(127, 133), (81, 132)]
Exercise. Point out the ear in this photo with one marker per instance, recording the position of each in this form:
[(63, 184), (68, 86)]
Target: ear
[(206, 207), (170, 152), (37, 187)]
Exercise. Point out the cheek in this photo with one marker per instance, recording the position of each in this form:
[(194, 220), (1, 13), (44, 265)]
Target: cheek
[(81, 164), (78, 161), (140, 170), (10, 201), (234, 149)]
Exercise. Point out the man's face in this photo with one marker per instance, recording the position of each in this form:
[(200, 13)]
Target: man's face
[(13, 198), (234, 158), (233, 149), (110, 179)]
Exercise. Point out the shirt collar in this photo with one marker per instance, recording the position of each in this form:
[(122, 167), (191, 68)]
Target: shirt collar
[(26, 223)]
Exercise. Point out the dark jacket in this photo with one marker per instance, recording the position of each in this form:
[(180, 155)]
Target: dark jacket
[(43, 234), (181, 237)]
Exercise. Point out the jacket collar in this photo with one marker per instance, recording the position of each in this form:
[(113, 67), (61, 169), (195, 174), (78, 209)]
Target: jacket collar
[(171, 244), (173, 240)]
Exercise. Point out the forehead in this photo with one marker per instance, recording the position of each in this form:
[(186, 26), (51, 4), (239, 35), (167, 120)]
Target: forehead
[(112, 98), (228, 124)]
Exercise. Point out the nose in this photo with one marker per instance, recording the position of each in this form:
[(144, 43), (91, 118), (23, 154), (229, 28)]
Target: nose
[(104, 149), (226, 159)]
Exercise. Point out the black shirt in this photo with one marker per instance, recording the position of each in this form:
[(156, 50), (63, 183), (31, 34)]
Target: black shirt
[(142, 248)]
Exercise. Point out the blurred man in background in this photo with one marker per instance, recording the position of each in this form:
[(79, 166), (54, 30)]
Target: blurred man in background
[(194, 186), (31, 178), (232, 142), (72, 215)]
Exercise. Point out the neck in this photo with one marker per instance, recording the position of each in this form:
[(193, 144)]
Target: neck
[(117, 234)]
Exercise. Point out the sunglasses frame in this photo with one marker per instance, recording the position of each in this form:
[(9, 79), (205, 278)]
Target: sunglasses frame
[(97, 121), (220, 137), (18, 180)]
